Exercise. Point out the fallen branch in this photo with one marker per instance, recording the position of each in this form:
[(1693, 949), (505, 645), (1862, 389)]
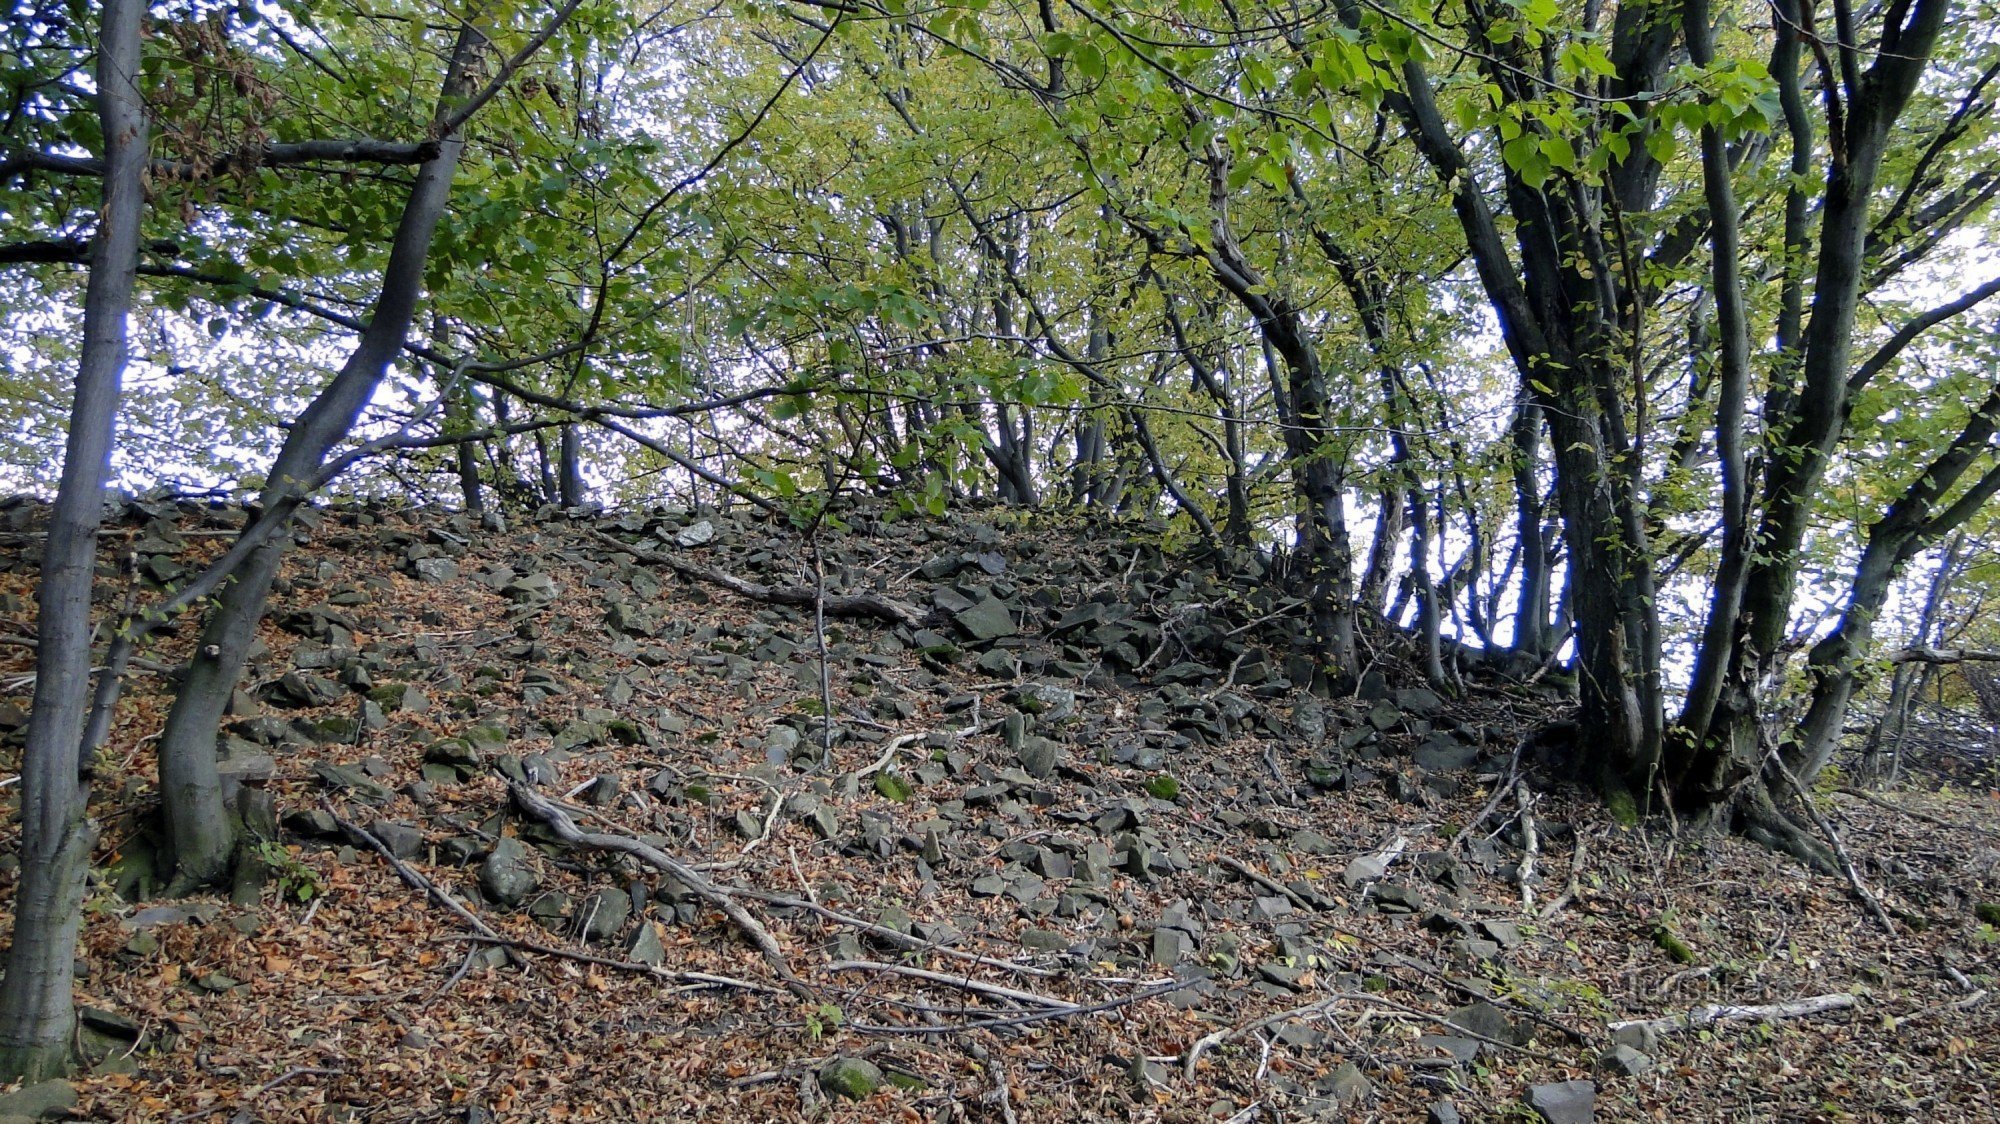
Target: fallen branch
[(963, 983), (1900, 809), (895, 937), (1531, 846), (693, 980), (1493, 803), (1216, 1038), (417, 881), (837, 604), (1970, 1001), (1839, 849), (558, 821), (1703, 1017), (1027, 1017), (1576, 859)]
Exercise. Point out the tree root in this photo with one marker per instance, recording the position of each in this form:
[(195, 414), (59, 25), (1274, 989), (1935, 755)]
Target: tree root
[(1759, 819)]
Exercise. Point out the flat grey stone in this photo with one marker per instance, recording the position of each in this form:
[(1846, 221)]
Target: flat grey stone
[(1565, 1102)]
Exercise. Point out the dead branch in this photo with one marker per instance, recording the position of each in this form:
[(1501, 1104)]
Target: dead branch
[(558, 821), (1707, 1016), (1943, 656), (1839, 849), (963, 983), (1576, 860), (692, 980), (895, 937), (417, 881), (837, 604)]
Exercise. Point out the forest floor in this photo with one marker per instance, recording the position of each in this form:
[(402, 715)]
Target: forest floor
[(1080, 850)]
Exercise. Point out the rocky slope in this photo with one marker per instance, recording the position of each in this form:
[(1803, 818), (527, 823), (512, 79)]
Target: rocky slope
[(1070, 842)]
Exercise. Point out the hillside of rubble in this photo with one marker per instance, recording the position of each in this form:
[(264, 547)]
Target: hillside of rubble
[(687, 814)]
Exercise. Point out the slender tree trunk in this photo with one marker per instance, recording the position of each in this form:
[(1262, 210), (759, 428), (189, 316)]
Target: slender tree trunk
[(36, 1016), (199, 830), (573, 491)]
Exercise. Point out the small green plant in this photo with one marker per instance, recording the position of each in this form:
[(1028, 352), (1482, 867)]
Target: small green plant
[(1164, 786), (294, 879), (823, 1018)]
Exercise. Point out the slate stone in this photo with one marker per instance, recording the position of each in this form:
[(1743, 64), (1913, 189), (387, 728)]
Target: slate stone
[(1394, 897), (695, 535), (988, 619), (1488, 1021), (603, 914), (353, 782), (1348, 1084), (505, 877), (1624, 1061), (645, 946), (1442, 1112), (434, 570), (403, 840), (1039, 756), (1565, 1102)]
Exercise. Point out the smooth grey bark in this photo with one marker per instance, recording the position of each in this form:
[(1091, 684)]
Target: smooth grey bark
[(36, 1013), (574, 494), (199, 830)]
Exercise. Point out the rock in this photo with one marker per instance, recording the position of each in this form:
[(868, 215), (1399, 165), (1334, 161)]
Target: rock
[(504, 877), (353, 782), (43, 1099), (988, 619), (1624, 1061), (1442, 1112), (853, 1078), (1039, 756), (1639, 1037), (403, 840), (1565, 1102), (604, 914), (1348, 1084), (1364, 868), (1488, 1021), (1394, 897), (434, 570), (699, 534), (645, 946)]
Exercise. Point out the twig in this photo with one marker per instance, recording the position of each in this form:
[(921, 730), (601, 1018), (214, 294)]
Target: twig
[(1902, 809), (1027, 1017), (1970, 1001), (838, 605), (895, 937)]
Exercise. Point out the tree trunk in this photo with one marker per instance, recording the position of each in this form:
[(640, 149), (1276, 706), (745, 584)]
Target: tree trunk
[(36, 1016), (200, 834), (574, 494)]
